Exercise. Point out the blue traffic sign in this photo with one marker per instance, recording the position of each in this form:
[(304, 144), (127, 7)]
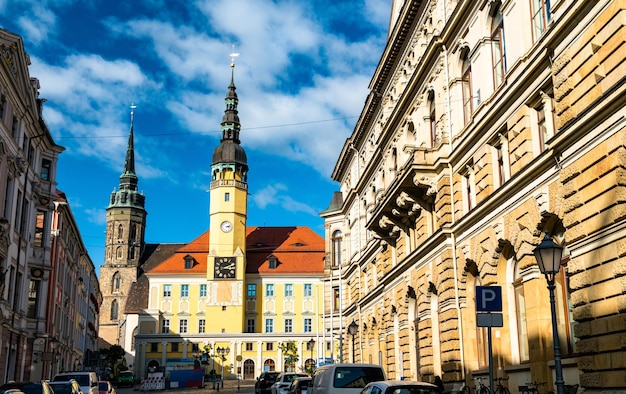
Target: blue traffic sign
[(488, 299)]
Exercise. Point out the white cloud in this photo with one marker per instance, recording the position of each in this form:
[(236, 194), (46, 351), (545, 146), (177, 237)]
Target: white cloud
[(292, 70), (276, 194), (96, 216), (269, 36), (86, 97)]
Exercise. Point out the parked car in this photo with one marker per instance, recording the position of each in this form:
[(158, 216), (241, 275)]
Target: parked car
[(68, 387), (105, 387), (264, 382), (283, 381), (299, 385), (27, 388), (125, 378), (400, 387), (88, 381), (344, 378)]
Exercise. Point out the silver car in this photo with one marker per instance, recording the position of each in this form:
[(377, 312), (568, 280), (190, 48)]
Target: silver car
[(400, 387), (283, 381)]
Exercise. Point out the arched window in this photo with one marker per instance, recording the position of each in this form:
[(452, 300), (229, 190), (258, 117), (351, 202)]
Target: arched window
[(520, 304), (336, 245), (120, 231), (269, 365), (132, 339), (498, 49), (466, 81), (114, 310), (116, 282), (564, 318), (133, 232), (432, 118)]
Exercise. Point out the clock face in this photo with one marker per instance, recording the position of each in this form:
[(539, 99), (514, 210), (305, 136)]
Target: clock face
[(225, 268), (226, 226)]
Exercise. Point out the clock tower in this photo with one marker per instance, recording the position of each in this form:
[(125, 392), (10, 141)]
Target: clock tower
[(226, 264)]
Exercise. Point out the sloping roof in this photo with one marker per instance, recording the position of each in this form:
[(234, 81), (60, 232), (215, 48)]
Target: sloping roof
[(298, 250), (152, 256)]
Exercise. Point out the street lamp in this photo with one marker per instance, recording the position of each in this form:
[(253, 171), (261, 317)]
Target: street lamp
[(311, 345), (223, 351), (548, 255), (53, 354), (353, 328)]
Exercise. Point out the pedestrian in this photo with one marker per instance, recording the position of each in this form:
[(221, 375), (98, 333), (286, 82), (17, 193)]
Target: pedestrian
[(439, 383)]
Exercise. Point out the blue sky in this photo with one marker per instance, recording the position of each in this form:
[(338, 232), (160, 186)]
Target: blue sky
[(301, 77)]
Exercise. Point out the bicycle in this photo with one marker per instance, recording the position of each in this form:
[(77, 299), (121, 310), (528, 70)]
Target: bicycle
[(500, 388), (531, 388), (480, 388)]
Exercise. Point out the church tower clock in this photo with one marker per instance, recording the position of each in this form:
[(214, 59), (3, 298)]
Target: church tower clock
[(226, 264), (125, 230)]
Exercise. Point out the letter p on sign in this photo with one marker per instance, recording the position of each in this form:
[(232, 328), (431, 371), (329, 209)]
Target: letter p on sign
[(488, 299)]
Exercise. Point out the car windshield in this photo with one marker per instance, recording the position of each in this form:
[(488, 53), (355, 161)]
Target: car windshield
[(271, 376), (61, 388), (292, 377), (411, 390), (83, 380), (103, 386), (356, 377)]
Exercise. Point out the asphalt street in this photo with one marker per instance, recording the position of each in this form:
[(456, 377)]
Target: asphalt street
[(230, 387)]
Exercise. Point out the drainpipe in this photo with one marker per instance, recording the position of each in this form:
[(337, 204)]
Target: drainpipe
[(453, 236)]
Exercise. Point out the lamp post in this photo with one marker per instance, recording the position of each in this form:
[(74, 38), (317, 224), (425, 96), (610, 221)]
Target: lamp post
[(223, 351), (353, 328), (311, 346), (53, 355), (548, 255)]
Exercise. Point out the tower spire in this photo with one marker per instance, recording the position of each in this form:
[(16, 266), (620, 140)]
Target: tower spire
[(128, 179), (230, 154)]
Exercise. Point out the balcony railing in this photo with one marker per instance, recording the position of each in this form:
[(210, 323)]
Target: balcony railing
[(229, 182)]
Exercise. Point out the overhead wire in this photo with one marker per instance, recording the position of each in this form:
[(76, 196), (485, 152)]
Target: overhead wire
[(206, 132)]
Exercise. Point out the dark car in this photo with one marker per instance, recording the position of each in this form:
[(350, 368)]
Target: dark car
[(68, 387), (299, 385), (264, 382), (28, 387)]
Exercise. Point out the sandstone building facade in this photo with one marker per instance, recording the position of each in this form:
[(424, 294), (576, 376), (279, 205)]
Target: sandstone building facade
[(49, 293), (489, 123)]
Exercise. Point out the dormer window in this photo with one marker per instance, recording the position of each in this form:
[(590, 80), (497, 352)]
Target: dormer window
[(189, 262), (273, 262)]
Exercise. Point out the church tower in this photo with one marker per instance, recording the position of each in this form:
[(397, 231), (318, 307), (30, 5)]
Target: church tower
[(226, 265), (125, 231)]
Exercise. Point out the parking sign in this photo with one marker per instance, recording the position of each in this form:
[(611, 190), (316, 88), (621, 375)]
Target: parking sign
[(488, 299)]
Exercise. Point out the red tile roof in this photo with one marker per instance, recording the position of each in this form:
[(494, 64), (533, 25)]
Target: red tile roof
[(298, 250)]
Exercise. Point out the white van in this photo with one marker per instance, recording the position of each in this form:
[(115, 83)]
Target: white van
[(88, 381), (344, 378)]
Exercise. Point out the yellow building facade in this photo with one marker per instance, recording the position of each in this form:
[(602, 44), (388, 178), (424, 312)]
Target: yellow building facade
[(232, 299)]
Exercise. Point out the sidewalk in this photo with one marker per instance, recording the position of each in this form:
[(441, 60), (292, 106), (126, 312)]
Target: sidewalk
[(231, 386)]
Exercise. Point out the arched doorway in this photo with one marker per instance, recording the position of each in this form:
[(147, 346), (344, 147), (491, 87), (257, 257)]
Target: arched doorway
[(153, 366), (248, 369)]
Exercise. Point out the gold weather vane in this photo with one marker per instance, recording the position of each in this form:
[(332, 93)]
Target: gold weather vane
[(233, 55)]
